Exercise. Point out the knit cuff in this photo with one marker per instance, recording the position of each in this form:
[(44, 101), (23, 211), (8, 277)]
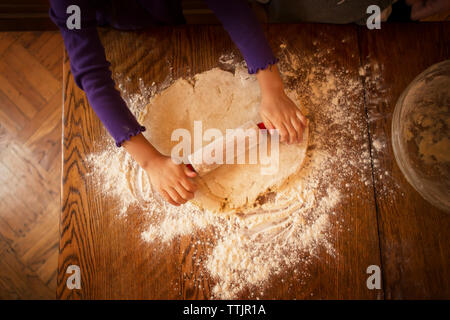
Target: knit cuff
[(129, 134), (255, 69)]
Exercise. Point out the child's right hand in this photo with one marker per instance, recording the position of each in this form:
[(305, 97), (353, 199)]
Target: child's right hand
[(172, 181)]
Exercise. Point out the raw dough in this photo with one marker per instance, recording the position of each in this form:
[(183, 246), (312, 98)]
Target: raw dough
[(220, 100)]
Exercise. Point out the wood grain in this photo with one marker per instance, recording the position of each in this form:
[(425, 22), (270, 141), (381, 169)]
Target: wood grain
[(415, 237), (30, 149), (116, 263), (355, 242)]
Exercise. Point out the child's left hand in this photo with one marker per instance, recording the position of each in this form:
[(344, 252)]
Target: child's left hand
[(277, 110)]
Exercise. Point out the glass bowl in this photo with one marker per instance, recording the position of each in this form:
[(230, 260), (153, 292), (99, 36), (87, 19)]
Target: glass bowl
[(421, 134)]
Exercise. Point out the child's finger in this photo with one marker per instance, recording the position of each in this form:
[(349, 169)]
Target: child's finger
[(268, 124), (292, 132), (186, 195), (175, 196), (189, 172), (302, 118), (188, 185), (423, 9), (298, 128), (168, 198), (282, 131)]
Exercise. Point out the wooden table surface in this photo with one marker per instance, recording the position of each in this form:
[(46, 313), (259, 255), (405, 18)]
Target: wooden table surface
[(396, 230)]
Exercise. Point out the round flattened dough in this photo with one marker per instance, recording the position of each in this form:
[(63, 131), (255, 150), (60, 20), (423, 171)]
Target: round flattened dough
[(224, 101)]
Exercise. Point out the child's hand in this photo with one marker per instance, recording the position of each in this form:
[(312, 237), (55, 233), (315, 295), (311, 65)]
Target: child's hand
[(277, 109), (172, 181), (421, 9), (279, 112)]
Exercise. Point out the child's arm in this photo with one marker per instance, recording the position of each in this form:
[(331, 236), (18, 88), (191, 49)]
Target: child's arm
[(91, 73), (171, 180), (277, 110)]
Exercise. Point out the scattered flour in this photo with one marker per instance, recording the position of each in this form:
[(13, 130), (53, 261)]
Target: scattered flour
[(245, 252)]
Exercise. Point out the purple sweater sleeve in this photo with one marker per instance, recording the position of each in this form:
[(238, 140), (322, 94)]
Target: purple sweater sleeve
[(91, 70), (245, 31)]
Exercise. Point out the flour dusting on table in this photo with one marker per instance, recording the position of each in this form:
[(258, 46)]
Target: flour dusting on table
[(244, 252)]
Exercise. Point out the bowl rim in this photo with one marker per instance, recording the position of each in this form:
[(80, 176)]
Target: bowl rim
[(400, 153)]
